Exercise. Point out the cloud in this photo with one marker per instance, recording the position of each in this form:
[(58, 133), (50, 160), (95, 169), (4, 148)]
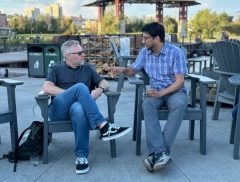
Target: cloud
[(74, 8)]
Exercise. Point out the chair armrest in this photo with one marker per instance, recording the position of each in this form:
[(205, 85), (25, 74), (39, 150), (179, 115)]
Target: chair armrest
[(9, 82), (224, 73), (112, 93), (235, 80), (42, 101), (202, 79), (135, 81), (42, 95)]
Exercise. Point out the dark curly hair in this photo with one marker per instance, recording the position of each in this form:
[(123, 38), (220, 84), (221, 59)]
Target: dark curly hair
[(155, 29)]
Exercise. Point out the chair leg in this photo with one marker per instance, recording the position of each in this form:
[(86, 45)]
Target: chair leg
[(237, 134), (203, 139), (139, 121), (138, 137), (216, 110), (113, 148), (191, 129), (203, 122), (135, 114), (45, 141), (236, 143), (233, 128)]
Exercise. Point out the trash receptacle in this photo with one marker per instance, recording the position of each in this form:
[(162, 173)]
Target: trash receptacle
[(35, 60), (52, 56)]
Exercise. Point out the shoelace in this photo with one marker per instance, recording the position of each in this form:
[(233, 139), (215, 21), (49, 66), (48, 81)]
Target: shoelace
[(113, 126), (82, 160)]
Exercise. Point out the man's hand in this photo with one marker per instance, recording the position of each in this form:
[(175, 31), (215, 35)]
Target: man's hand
[(96, 93), (154, 93), (116, 70), (113, 70)]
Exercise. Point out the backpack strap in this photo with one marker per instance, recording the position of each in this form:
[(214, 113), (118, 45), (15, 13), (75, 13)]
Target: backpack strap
[(15, 154)]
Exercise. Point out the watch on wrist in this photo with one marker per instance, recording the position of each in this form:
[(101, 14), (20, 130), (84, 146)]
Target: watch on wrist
[(102, 88)]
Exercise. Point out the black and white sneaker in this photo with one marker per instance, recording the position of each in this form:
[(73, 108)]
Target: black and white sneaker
[(149, 162), (112, 131), (82, 165), (162, 160)]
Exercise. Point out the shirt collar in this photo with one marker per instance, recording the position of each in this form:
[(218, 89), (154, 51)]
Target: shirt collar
[(163, 50), (71, 67)]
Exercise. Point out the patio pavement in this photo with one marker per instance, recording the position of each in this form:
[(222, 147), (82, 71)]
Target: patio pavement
[(188, 164)]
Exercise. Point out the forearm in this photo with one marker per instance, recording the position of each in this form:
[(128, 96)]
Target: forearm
[(128, 71), (178, 84), (51, 89), (171, 89)]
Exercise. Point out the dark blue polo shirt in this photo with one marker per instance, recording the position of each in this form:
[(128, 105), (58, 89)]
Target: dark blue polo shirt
[(64, 76)]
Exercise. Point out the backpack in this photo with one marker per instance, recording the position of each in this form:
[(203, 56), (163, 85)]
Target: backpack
[(32, 146)]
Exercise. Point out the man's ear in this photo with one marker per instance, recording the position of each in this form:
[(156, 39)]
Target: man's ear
[(158, 38)]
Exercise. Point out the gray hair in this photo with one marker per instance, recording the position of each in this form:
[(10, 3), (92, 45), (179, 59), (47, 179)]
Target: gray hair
[(67, 46)]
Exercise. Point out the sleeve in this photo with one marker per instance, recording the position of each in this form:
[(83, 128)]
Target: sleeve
[(96, 79), (180, 63), (138, 64), (52, 75)]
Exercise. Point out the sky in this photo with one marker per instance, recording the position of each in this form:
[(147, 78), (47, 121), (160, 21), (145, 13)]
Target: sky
[(74, 7)]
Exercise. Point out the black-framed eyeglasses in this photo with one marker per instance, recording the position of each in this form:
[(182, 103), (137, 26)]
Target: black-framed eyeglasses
[(78, 53)]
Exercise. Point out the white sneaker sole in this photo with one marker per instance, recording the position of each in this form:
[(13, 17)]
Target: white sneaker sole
[(117, 135), (159, 166), (82, 171)]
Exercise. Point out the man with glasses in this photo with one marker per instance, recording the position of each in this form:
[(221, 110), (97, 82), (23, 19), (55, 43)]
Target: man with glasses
[(166, 66), (75, 87)]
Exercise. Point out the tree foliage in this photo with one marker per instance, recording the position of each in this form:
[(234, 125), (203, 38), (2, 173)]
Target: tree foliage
[(43, 24), (109, 24), (208, 23), (170, 24), (135, 24)]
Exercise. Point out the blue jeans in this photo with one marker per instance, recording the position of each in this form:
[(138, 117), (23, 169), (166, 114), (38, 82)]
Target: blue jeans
[(159, 139), (77, 104)]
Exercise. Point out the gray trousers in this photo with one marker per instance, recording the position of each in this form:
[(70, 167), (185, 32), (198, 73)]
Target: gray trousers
[(159, 140)]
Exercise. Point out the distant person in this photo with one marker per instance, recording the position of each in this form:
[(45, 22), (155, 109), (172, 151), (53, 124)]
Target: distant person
[(224, 36), (75, 88), (198, 39), (165, 64)]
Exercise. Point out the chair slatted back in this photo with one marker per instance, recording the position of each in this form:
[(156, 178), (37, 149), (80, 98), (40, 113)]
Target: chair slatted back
[(227, 58)]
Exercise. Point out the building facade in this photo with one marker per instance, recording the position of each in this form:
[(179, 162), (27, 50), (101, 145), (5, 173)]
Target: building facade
[(32, 12), (3, 20), (54, 10)]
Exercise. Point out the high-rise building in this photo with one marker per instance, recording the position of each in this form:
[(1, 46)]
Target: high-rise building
[(3, 20), (32, 12), (54, 10)]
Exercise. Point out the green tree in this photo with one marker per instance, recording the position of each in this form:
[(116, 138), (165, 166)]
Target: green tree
[(109, 24), (223, 21), (204, 23), (170, 24), (41, 25), (135, 24)]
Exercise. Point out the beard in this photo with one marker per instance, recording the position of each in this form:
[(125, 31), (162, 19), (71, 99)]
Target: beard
[(150, 48)]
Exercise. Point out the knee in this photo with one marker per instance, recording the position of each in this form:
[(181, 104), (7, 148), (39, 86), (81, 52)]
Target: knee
[(147, 104), (81, 87), (180, 105)]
